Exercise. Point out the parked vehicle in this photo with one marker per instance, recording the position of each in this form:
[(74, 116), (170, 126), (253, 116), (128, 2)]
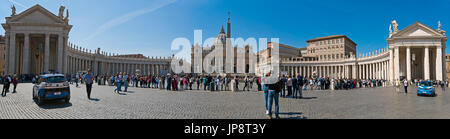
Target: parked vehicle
[(426, 88), (51, 87)]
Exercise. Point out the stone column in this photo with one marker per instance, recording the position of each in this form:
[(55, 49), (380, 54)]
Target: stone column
[(408, 63), (26, 54), (339, 71), (426, 64), (439, 73), (303, 71), (307, 71), (397, 63), (12, 54), (47, 53), (359, 71), (60, 53), (377, 75), (6, 68)]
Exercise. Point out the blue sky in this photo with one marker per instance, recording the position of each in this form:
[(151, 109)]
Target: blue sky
[(149, 26)]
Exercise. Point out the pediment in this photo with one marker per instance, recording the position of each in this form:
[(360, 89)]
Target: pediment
[(36, 14), (418, 30)]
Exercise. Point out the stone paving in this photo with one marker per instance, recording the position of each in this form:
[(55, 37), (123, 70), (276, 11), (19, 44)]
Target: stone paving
[(145, 103)]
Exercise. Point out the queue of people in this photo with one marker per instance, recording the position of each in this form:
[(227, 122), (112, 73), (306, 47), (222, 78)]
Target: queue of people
[(177, 82)]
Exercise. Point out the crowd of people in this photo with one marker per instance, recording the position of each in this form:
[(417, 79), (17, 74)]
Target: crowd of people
[(7, 81), (174, 82)]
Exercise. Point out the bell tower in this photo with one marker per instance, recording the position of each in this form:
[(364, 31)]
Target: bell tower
[(229, 26)]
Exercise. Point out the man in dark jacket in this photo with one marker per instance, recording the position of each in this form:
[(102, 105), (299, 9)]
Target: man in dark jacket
[(300, 86), (6, 82), (294, 87)]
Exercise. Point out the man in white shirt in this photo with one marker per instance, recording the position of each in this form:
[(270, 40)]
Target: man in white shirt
[(405, 84)]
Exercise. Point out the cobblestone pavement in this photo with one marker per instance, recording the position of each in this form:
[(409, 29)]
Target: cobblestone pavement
[(144, 103)]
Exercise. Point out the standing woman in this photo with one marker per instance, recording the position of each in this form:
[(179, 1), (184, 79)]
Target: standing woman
[(185, 83), (15, 81)]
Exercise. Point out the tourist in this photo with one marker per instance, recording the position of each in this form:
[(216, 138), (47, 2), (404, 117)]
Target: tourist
[(88, 79), (274, 90), (117, 83), (169, 83), (251, 82), (77, 77), (217, 83), (266, 93), (246, 82), (237, 83), (127, 81), (174, 84), (6, 82), (300, 86), (405, 85), (15, 81), (205, 84), (293, 94), (258, 83), (283, 86), (227, 83), (185, 83), (198, 80), (289, 86), (191, 81), (233, 85)]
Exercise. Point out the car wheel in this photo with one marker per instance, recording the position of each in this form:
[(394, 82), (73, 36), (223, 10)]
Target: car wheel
[(67, 100), (39, 101)]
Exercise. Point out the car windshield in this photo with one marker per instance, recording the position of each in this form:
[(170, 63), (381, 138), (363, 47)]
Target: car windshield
[(55, 79), (426, 84)]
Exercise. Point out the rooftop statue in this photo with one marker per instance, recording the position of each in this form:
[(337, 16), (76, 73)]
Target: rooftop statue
[(394, 23), (61, 12), (67, 17), (13, 10)]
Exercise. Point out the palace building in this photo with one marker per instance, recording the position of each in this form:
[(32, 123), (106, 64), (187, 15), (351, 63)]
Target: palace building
[(37, 41), (416, 52)]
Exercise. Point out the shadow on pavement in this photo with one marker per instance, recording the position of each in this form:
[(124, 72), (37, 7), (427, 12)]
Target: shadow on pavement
[(293, 115), (123, 94), (308, 98), (94, 99), (54, 104), (128, 91)]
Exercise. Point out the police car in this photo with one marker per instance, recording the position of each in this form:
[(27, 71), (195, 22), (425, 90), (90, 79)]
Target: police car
[(51, 87), (426, 88)]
